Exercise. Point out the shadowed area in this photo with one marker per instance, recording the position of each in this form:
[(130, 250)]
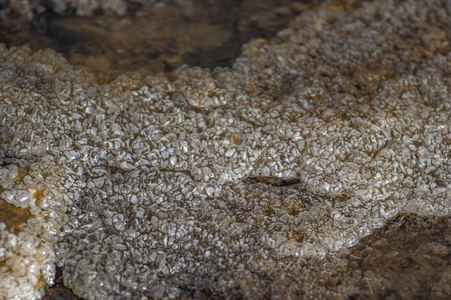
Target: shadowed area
[(154, 38)]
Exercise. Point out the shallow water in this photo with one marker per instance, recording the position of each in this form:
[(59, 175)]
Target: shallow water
[(156, 38)]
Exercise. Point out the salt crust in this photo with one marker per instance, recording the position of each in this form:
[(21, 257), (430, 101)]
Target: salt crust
[(306, 146), (25, 9)]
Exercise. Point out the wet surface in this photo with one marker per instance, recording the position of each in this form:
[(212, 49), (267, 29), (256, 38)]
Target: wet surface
[(59, 291), (157, 38), (13, 216), (408, 258)]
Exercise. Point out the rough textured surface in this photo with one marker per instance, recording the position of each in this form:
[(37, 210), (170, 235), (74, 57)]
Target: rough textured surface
[(236, 182), (84, 8), (409, 258)]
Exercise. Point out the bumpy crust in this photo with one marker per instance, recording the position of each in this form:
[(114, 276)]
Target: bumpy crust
[(339, 124)]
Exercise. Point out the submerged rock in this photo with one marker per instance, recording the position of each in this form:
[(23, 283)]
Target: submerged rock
[(230, 182)]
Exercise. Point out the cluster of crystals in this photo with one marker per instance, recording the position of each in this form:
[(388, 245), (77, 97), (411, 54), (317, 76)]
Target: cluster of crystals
[(27, 245), (86, 8), (26, 9), (199, 89), (32, 178), (339, 124)]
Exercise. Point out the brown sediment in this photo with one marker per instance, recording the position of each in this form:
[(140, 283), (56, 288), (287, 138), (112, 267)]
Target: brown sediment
[(21, 173), (409, 258), (13, 216), (41, 282), (157, 38)]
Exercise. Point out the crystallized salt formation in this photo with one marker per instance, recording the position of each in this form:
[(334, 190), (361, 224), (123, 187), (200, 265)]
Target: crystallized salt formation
[(24, 9), (226, 183)]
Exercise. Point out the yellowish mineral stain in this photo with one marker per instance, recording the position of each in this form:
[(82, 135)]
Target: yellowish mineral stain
[(21, 173), (13, 216), (41, 283), (38, 194)]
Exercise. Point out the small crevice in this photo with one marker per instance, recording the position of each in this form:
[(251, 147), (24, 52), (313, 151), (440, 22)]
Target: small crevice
[(274, 181)]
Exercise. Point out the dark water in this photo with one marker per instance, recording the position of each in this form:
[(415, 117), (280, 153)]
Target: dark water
[(157, 38)]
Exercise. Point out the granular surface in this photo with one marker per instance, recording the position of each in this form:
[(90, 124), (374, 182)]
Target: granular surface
[(253, 181)]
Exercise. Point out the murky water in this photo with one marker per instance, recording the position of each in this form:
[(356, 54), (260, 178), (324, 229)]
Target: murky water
[(158, 38)]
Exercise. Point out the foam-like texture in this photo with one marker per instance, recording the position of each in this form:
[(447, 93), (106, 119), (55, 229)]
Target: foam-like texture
[(228, 182)]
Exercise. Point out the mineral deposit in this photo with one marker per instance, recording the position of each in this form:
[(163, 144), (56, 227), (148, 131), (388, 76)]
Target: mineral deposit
[(227, 182)]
